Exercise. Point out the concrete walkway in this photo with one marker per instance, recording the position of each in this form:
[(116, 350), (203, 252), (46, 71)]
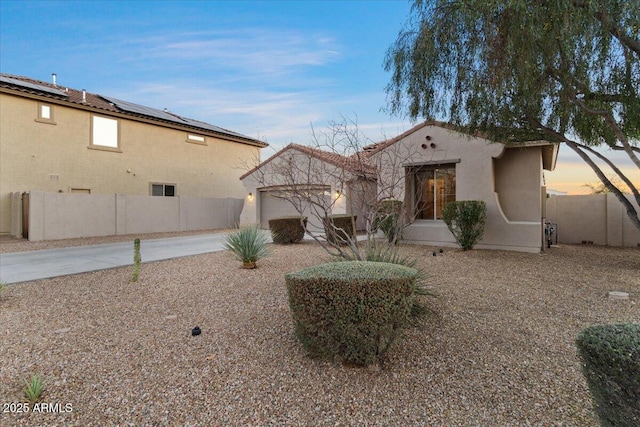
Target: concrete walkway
[(34, 265)]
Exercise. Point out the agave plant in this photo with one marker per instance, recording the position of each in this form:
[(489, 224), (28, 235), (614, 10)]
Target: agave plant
[(249, 244)]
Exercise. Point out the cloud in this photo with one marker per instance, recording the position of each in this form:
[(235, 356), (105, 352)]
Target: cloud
[(239, 55)]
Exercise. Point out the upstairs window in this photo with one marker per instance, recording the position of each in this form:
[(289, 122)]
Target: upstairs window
[(196, 139), (434, 187), (166, 190), (104, 133), (45, 113)]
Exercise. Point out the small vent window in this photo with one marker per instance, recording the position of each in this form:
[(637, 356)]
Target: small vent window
[(196, 139), (163, 190)]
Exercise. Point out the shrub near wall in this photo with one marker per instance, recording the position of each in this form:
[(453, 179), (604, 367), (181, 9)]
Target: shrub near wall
[(339, 228), (351, 310), (388, 217), (611, 364), (287, 229), (466, 220)]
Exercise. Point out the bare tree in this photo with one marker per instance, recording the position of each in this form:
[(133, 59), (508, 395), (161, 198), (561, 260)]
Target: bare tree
[(342, 171)]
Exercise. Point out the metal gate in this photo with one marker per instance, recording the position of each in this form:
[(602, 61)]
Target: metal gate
[(25, 215)]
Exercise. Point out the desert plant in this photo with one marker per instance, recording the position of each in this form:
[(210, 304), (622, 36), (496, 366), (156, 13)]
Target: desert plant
[(611, 365), (34, 388), (466, 220), (3, 287), (248, 244), (287, 229), (340, 229), (136, 260), (387, 219), (351, 310)]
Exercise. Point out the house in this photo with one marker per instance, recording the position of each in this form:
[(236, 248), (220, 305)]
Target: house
[(309, 181), (441, 164), (426, 167), (57, 139)]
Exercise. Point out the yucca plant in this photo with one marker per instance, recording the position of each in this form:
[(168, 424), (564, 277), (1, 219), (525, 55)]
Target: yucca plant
[(248, 244), (34, 388)]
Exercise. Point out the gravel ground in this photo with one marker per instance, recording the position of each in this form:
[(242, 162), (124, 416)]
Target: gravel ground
[(498, 351)]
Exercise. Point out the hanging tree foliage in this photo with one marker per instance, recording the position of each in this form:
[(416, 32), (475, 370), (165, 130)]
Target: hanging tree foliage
[(566, 71)]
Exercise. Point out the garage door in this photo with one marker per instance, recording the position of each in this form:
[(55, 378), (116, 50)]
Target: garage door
[(274, 204)]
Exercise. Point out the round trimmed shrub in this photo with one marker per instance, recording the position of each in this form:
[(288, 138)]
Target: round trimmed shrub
[(351, 310), (387, 218), (611, 365), (287, 229), (339, 228)]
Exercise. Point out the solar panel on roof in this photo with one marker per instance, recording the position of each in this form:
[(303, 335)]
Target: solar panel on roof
[(163, 115), (204, 125), (141, 109), (32, 86)]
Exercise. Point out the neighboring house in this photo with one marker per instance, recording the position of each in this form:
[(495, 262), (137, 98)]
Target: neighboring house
[(57, 139), (426, 167), (281, 185)]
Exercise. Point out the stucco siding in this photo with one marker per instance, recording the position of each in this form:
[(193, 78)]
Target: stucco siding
[(58, 158), (510, 186), (518, 183)]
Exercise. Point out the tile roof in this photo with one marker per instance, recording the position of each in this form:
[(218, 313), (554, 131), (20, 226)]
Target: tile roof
[(356, 163), (84, 99)]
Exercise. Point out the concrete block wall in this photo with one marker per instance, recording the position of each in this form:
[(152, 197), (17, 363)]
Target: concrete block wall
[(55, 216), (597, 218)]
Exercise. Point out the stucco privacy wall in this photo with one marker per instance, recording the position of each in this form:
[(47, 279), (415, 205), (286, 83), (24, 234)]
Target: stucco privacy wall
[(61, 215), (56, 157), (597, 218), (508, 180)]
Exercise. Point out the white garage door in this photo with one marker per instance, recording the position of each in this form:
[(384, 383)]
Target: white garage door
[(273, 205)]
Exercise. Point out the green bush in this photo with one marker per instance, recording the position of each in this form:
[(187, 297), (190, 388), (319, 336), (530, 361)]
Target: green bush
[(248, 244), (387, 219), (466, 220), (611, 365), (339, 229), (287, 229), (375, 251), (351, 310)]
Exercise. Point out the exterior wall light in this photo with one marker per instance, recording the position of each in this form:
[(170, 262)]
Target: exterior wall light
[(250, 197)]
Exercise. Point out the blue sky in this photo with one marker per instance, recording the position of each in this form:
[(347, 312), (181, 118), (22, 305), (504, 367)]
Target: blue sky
[(269, 70)]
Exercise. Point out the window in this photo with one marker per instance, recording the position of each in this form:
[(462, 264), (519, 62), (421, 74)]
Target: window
[(80, 190), (45, 114), (166, 190), (434, 187), (104, 133), (196, 139)]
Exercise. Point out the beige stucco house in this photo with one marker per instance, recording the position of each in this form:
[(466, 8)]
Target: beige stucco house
[(58, 139), (425, 167), (441, 165), (282, 184)]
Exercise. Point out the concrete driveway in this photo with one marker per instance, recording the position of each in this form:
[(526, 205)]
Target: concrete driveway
[(34, 265)]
